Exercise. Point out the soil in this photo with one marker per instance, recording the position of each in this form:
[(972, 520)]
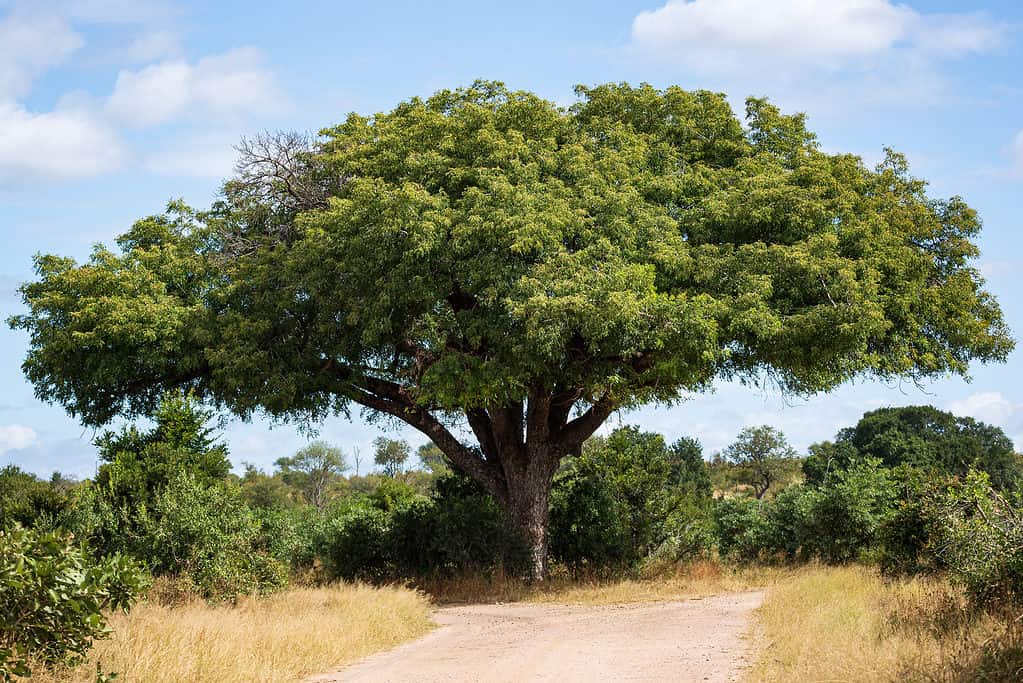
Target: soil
[(704, 639)]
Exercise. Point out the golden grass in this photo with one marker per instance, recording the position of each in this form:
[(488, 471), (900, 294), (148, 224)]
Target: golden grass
[(699, 579), (284, 637), (849, 624)]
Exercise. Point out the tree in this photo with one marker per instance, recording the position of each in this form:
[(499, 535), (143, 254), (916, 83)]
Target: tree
[(138, 465), (487, 259), (760, 453), (391, 454), (922, 437), (313, 469), (433, 458)]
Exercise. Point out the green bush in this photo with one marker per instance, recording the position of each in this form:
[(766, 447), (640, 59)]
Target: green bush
[(978, 533), (627, 496), (53, 598), (741, 527), (356, 543), (840, 522), (26, 500), (399, 534), (207, 536)]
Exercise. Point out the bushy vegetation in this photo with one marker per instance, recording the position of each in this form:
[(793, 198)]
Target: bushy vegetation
[(627, 504), (54, 598)]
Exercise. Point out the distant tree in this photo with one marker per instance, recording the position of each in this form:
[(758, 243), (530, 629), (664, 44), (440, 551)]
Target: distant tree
[(433, 458), (922, 437), (313, 469), (391, 455), (760, 454), (138, 464), (29, 501), (264, 491), (688, 468)]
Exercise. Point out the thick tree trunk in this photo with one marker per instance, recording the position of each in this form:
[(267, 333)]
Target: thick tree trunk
[(527, 507)]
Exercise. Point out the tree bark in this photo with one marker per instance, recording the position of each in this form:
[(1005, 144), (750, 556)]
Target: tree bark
[(529, 490)]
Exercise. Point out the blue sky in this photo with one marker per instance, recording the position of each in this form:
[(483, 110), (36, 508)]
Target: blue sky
[(108, 108)]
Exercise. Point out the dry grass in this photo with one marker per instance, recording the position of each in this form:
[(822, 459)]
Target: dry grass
[(699, 579), (284, 637), (849, 624)]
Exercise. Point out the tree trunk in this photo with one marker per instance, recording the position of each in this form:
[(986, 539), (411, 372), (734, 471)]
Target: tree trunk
[(528, 500)]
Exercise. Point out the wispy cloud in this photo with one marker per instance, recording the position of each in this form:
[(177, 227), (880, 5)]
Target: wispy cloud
[(841, 53)]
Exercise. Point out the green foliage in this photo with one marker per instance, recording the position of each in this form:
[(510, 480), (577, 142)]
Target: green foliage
[(209, 538), (54, 598), (922, 437), (391, 455), (263, 491), (978, 533), (841, 522), (26, 500), (760, 455), (626, 495), (138, 465), (313, 470), (395, 534)]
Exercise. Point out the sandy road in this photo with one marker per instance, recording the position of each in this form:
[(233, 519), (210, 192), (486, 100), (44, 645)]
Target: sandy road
[(693, 640)]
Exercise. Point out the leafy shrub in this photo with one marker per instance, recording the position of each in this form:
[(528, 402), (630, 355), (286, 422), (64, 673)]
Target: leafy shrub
[(844, 520), (741, 527), (356, 543), (978, 533), (625, 496), (26, 500), (210, 538), (836, 523), (399, 534), (53, 597)]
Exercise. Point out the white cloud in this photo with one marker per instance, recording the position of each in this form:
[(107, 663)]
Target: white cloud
[(830, 57), (61, 143), (208, 155), (987, 406), (711, 35), (31, 43), (152, 46), (219, 85), (156, 94), (14, 437)]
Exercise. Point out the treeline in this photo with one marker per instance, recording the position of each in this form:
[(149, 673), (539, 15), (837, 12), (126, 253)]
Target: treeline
[(911, 489)]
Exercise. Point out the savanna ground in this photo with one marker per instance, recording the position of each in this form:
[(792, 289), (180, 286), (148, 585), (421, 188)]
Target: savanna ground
[(815, 623)]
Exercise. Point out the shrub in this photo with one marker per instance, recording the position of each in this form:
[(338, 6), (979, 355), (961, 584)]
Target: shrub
[(356, 543), (836, 523), (741, 527), (979, 535), (26, 500), (53, 597), (210, 538)]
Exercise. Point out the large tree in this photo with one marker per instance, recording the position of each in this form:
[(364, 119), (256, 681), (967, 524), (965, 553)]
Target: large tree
[(484, 261), (922, 437)]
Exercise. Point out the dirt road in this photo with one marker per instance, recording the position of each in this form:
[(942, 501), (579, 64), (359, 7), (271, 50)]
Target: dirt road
[(694, 640)]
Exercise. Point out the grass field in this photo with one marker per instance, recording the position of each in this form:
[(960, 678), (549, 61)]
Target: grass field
[(284, 637), (849, 624)]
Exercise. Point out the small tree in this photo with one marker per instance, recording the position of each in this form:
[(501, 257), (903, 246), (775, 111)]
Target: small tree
[(391, 454), (313, 469), (760, 453), (139, 464)]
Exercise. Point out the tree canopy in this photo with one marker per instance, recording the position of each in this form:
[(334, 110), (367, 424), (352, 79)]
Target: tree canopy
[(922, 437), (485, 256)]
